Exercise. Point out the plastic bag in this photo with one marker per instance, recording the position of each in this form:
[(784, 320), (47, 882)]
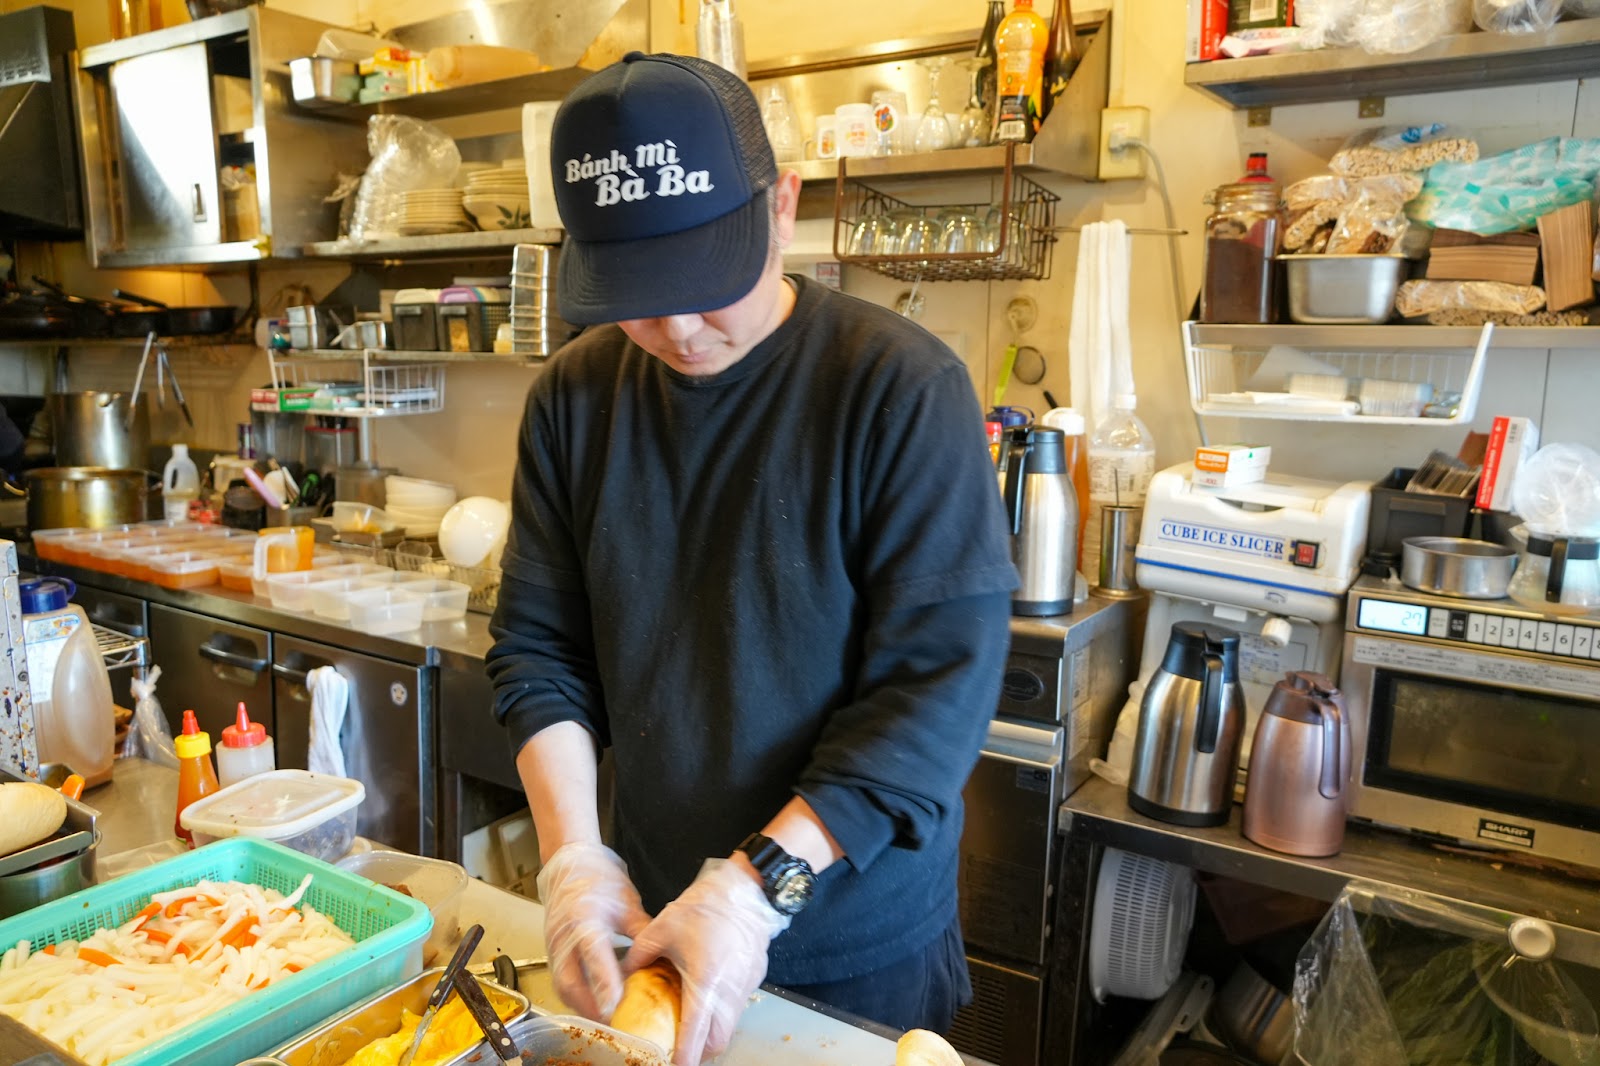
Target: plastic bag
[(1399, 186), (1509, 191), (1394, 27), (148, 735), (1421, 297), (1329, 23), (1410, 980), (1558, 491), (1371, 224), (1401, 150), (407, 154), (1516, 16)]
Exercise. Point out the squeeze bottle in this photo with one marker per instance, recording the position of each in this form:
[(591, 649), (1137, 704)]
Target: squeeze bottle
[(180, 483), (1122, 460), (246, 750), (196, 778), (1020, 44)]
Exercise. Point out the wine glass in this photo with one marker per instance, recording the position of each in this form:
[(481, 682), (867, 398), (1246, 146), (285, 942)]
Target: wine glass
[(975, 122), (933, 132)]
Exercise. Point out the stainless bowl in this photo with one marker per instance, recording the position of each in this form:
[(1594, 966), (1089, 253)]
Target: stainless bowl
[(1456, 566), (1343, 289), (27, 889)]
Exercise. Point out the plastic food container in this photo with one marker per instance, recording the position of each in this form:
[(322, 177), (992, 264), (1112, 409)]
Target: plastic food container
[(106, 554), (435, 882), (445, 601), (47, 542), (331, 599), (312, 813), (183, 570), (385, 610), (237, 576), (1343, 289), (292, 591)]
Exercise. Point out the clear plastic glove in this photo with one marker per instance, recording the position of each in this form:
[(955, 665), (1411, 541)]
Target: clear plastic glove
[(588, 899), (716, 933)]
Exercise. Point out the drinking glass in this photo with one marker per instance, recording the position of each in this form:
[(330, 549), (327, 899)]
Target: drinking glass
[(919, 235), (891, 115), (782, 129), (933, 132), (976, 121), (963, 234), (875, 235)]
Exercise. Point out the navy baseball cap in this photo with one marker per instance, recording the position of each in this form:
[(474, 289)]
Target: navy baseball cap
[(659, 162)]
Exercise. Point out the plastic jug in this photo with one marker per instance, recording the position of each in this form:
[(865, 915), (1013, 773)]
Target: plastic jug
[(73, 716), (180, 484), (1122, 460), (281, 551)]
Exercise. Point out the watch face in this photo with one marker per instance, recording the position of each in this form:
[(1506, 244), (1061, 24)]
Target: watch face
[(792, 890)]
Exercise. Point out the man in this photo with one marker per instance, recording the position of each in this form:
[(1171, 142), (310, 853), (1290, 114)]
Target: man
[(756, 549)]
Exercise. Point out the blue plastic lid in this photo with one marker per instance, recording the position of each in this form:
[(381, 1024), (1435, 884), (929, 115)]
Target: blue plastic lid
[(45, 594)]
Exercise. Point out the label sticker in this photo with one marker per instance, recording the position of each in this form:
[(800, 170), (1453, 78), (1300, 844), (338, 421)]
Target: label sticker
[(1518, 836), (1032, 780), (1221, 538)]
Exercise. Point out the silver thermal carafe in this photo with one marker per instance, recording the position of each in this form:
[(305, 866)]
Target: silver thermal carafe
[(1191, 725), (1043, 511)]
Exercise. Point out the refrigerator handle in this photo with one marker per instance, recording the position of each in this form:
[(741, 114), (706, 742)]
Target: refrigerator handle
[(290, 674), (231, 658)]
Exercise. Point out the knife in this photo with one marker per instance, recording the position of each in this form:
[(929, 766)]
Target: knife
[(500, 1042), (441, 991)]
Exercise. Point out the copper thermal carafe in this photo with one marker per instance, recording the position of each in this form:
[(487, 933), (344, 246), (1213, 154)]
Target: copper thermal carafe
[(1299, 766)]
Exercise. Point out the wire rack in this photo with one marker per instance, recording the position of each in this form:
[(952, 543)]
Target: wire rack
[(120, 650), (379, 388), (1251, 381), (1021, 249)]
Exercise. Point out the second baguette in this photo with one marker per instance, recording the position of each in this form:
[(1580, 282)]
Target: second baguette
[(652, 1002)]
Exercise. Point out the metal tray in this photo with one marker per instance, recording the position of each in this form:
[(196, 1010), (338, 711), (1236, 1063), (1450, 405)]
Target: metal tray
[(336, 1040), (556, 1038)]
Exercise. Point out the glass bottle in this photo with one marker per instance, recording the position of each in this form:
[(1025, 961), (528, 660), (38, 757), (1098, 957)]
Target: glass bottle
[(1060, 56), (719, 36), (1243, 236), (985, 77)]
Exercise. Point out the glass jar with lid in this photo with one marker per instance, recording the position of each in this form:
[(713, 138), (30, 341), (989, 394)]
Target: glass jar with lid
[(1243, 236)]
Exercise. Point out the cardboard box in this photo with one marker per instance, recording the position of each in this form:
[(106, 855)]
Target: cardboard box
[(19, 749), (1259, 14), (1512, 442), (1567, 237), (1208, 25), (1509, 257), (297, 399), (1220, 466)]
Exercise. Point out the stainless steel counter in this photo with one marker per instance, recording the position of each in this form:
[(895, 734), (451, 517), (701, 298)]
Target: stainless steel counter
[(457, 645)]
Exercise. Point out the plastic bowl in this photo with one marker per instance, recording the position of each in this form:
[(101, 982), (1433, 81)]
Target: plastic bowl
[(472, 530), (437, 883)]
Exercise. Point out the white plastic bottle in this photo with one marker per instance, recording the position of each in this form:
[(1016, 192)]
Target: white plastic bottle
[(1122, 460), (74, 721), (245, 751), (180, 483)]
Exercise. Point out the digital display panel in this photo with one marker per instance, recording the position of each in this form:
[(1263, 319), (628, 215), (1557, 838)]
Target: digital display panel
[(1390, 617)]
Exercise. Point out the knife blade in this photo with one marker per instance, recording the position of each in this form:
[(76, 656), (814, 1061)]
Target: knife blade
[(441, 991), (500, 1042)]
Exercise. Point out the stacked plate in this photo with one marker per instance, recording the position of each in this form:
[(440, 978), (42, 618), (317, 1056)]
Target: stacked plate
[(535, 327), (498, 197), (417, 505), (425, 211)]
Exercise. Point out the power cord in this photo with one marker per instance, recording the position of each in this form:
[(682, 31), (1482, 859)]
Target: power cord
[(1119, 143)]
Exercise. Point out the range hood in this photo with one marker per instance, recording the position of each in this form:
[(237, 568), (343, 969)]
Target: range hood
[(38, 156)]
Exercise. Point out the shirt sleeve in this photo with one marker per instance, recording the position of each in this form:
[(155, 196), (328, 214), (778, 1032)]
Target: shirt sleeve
[(542, 664), (936, 565)]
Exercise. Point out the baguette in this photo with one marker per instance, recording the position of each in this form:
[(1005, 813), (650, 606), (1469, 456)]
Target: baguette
[(652, 1002), (919, 1047), (29, 813)]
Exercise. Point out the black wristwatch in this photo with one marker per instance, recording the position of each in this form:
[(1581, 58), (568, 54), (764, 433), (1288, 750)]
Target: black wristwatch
[(788, 881)]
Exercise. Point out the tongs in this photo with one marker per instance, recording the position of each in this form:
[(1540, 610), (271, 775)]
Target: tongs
[(164, 374), (456, 979)]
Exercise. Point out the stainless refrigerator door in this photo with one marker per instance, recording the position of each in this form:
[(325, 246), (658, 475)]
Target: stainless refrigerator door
[(125, 614), (210, 666), (387, 737), (1008, 842)]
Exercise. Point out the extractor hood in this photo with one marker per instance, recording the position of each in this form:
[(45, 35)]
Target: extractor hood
[(39, 194)]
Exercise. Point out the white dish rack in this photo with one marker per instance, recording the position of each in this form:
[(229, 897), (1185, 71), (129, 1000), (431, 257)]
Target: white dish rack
[(387, 389), (1249, 380)]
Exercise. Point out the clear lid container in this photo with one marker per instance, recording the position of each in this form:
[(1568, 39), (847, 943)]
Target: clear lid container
[(312, 813), (444, 601), (385, 610), (292, 591), (47, 542), (331, 599), (183, 570)]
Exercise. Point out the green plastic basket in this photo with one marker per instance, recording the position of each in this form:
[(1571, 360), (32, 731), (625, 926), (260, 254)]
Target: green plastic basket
[(388, 929)]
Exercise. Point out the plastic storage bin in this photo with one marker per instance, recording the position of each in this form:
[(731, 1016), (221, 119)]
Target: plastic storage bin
[(415, 326), (292, 591), (444, 601), (435, 882), (385, 610), (388, 928), (311, 813), (47, 542), (1397, 514), (183, 570), (469, 327)]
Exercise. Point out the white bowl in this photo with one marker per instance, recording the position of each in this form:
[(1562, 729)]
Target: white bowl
[(473, 532), (498, 212)]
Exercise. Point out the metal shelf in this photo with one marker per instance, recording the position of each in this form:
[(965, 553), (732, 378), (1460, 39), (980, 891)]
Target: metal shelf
[(439, 244), (1530, 338), (462, 100), (391, 355), (1468, 60), (120, 650)]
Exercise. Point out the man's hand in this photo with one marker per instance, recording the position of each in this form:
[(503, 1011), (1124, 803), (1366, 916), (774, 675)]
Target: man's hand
[(716, 933), (588, 899)]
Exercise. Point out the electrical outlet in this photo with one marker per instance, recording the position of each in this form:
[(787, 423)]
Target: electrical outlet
[(1118, 123)]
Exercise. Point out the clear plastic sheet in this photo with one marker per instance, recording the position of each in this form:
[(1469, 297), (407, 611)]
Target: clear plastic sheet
[(1509, 191), (1412, 980), (1516, 16), (1395, 27), (407, 154), (1558, 492), (1329, 23)]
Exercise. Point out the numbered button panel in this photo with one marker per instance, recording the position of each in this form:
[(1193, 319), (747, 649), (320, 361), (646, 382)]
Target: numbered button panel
[(1568, 640)]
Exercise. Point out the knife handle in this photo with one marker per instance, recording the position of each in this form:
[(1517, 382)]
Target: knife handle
[(483, 1013), (457, 963)]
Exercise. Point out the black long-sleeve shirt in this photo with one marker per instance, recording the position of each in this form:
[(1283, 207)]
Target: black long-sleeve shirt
[(790, 577)]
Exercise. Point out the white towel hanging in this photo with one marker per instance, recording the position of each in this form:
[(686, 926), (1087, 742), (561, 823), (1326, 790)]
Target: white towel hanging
[(330, 698)]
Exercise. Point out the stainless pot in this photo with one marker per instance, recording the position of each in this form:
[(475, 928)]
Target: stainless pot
[(1254, 1018), (91, 429), (89, 496), (1456, 566), (29, 888)]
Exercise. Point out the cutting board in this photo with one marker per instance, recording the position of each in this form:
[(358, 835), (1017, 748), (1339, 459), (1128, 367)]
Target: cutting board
[(20, 1045)]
